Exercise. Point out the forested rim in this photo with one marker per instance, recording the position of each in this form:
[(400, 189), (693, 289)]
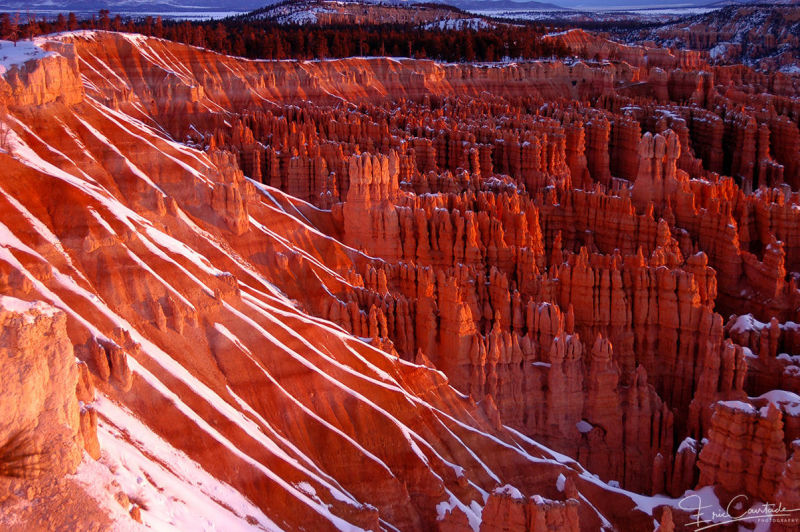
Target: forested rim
[(265, 39)]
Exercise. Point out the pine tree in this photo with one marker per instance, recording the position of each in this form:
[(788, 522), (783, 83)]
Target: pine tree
[(61, 23), (105, 21), (13, 33)]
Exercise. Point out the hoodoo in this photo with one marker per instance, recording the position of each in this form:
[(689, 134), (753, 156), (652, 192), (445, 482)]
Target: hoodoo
[(395, 294)]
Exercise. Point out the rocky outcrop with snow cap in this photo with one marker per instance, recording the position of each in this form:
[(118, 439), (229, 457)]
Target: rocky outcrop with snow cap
[(33, 76)]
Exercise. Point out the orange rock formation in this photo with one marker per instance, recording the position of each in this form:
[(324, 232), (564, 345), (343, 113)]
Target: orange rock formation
[(437, 274)]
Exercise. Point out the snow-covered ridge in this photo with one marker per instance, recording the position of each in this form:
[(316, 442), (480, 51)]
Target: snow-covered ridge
[(34, 73), (444, 17)]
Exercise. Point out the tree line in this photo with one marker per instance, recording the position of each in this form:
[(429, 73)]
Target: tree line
[(265, 39)]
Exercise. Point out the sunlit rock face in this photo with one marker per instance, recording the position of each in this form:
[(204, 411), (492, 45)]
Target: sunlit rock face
[(383, 293), (39, 405)]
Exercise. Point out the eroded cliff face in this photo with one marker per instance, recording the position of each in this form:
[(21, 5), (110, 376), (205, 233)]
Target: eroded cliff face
[(53, 77), (435, 273), (40, 423), (46, 422)]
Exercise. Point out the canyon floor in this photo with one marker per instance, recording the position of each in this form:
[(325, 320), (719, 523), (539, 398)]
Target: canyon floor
[(397, 294)]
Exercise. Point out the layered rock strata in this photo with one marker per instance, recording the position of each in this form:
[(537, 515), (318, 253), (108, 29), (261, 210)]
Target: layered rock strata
[(470, 260)]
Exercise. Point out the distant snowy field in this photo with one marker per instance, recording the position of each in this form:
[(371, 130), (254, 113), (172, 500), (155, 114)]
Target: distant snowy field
[(179, 15), (679, 11), (660, 14)]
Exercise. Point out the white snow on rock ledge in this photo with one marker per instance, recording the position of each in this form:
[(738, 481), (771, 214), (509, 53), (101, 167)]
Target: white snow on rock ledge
[(787, 401), (738, 405), (24, 51), (18, 306), (509, 490), (175, 493)]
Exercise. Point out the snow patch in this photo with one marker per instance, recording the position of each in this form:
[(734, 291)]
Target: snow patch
[(787, 401), (738, 405), (474, 23), (173, 491), (745, 323), (27, 308), (688, 444), (509, 490), (12, 55)]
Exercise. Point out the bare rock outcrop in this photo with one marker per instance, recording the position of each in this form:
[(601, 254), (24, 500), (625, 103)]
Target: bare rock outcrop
[(41, 425)]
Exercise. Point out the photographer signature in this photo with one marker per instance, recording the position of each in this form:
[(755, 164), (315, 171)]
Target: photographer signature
[(719, 517)]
